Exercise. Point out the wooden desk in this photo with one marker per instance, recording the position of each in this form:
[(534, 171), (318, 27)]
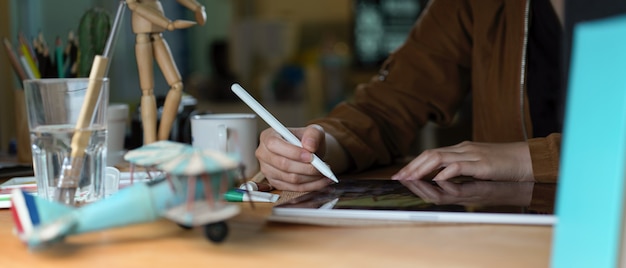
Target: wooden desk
[(253, 242)]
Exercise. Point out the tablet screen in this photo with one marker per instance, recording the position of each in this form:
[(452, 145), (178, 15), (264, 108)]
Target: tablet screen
[(459, 200)]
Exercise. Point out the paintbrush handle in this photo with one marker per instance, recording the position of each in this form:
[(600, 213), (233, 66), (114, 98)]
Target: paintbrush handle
[(81, 135), (68, 181)]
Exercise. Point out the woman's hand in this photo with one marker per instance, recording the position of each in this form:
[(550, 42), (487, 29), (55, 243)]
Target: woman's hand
[(287, 166), (488, 161)]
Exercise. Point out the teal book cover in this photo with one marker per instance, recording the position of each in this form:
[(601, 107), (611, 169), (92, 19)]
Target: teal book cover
[(590, 194)]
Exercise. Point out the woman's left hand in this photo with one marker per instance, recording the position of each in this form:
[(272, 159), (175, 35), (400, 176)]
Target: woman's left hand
[(488, 161)]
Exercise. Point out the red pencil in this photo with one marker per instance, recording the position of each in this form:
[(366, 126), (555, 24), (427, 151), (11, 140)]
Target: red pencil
[(17, 67)]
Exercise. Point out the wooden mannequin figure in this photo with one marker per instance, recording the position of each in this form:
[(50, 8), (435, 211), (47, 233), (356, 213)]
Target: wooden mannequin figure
[(148, 23)]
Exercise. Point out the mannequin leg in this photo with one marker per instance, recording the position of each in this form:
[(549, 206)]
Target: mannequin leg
[(143, 52), (165, 60)]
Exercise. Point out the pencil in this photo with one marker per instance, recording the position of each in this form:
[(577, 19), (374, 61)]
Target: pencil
[(29, 50), (26, 66), (39, 59), (15, 63), (46, 66), (59, 57), (30, 61)]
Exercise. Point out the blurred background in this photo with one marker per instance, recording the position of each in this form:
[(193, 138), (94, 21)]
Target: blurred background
[(298, 58)]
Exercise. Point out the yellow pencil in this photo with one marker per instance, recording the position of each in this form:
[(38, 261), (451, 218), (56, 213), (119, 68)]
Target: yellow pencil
[(30, 61)]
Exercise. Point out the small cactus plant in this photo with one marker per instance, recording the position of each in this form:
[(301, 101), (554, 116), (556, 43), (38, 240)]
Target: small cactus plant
[(93, 30)]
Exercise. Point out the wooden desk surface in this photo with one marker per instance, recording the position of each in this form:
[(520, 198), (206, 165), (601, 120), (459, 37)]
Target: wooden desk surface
[(254, 242)]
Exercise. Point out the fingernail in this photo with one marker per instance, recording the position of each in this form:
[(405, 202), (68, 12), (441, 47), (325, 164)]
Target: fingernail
[(308, 142), (306, 157), (398, 176)]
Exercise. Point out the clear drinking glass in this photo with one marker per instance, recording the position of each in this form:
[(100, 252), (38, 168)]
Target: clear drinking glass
[(53, 107)]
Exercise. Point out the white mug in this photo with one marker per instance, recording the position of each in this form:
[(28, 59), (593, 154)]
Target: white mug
[(232, 133), (117, 116)]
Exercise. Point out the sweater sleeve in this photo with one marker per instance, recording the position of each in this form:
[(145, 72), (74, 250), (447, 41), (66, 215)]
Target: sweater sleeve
[(426, 79), (545, 154)]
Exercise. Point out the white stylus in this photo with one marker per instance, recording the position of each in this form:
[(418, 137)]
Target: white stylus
[(282, 130)]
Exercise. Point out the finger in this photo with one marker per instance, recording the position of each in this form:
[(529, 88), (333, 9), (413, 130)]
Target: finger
[(273, 144), (450, 187), (305, 186), (463, 168), (412, 186), (429, 161), (287, 164), (311, 137), (423, 164), (429, 190), (288, 176), (422, 189)]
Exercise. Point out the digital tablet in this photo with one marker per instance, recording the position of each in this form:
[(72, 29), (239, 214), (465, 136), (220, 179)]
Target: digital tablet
[(462, 200)]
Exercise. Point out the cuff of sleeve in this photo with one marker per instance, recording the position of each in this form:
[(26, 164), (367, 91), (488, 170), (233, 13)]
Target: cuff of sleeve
[(545, 155)]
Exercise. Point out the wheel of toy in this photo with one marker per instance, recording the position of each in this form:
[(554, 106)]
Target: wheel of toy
[(216, 232)]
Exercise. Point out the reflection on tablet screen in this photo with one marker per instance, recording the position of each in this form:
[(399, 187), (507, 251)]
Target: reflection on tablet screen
[(486, 199)]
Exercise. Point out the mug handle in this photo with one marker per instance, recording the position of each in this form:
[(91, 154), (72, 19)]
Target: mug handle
[(222, 138)]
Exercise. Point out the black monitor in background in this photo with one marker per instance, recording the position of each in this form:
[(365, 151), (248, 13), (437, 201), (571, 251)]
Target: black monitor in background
[(379, 27), (579, 11), (584, 10)]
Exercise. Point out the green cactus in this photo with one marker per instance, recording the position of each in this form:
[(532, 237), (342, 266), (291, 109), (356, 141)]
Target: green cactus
[(93, 31)]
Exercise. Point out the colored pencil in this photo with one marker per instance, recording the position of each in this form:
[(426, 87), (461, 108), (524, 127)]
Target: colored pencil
[(59, 57), (23, 42), (30, 61), (29, 72), (15, 63)]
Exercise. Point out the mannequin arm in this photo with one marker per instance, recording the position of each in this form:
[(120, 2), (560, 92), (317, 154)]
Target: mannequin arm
[(156, 17), (197, 8)]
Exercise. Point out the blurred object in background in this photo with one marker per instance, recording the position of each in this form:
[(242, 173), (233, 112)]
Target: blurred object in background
[(334, 63), (261, 47), (180, 127), (380, 26), (288, 83), (216, 86), (117, 121)]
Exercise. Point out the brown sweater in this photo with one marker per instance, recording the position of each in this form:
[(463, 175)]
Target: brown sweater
[(457, 47)]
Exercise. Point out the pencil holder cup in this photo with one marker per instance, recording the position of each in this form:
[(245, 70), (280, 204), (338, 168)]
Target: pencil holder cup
[(22, 139), (54, 106)]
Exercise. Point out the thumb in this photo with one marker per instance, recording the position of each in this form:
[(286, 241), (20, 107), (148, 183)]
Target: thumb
[(312, 138)]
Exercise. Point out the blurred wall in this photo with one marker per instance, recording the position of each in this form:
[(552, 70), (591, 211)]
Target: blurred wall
[(7, 83), (309, 21)]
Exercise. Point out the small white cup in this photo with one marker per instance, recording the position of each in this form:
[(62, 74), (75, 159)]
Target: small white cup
[(117, 117), (111, 181), (229, 133)]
